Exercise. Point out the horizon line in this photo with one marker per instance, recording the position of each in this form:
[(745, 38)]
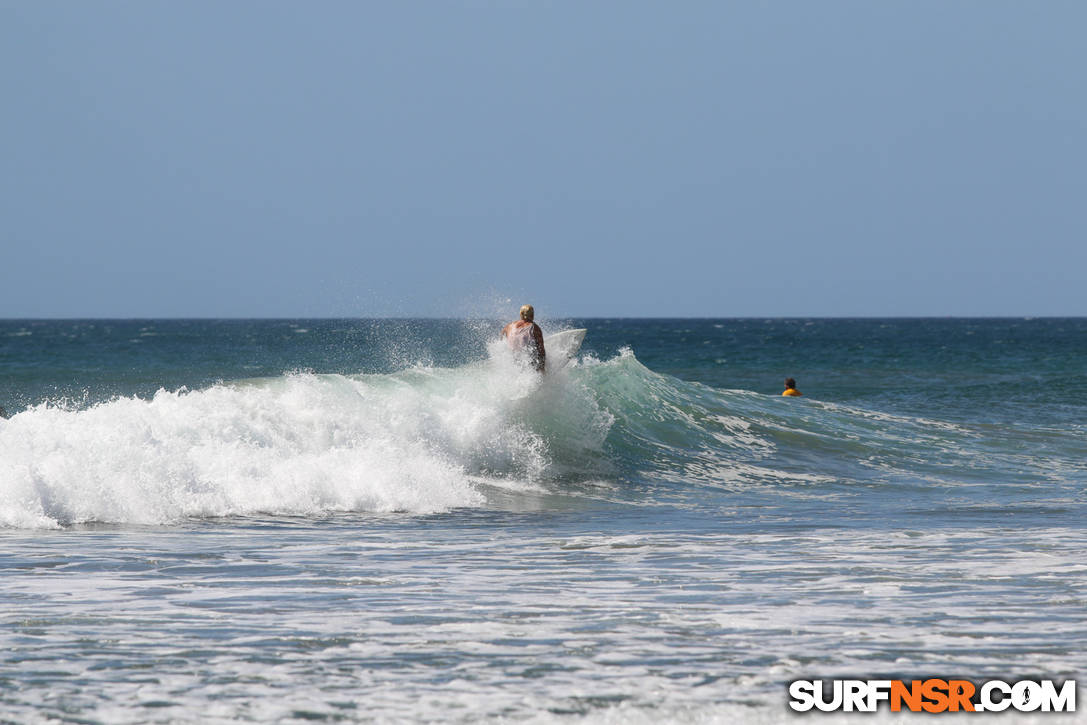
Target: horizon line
[(211, 318)]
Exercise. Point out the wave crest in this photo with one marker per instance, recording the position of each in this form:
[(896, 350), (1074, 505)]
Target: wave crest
[(414, 441)]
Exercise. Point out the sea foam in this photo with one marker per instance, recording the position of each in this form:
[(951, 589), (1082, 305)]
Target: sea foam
[(415, 441)]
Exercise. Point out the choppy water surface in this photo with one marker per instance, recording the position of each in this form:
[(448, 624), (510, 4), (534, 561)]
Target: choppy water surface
[(390, 521)]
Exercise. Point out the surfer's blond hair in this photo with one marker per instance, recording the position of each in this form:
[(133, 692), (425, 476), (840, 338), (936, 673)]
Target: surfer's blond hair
[(527, 313)]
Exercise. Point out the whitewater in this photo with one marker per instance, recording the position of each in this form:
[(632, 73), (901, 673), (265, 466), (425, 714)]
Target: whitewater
[(379, 521)]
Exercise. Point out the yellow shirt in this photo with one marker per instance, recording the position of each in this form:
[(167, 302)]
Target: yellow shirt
[(792, 392)]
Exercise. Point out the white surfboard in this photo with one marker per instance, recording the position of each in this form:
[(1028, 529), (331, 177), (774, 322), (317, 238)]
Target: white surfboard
[(561, 348)]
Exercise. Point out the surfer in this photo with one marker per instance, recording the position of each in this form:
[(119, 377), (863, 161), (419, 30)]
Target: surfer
[(525, 337), (790, 388)]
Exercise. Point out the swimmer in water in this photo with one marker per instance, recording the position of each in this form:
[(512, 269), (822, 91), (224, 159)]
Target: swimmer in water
[(525, 336), (790, 388)]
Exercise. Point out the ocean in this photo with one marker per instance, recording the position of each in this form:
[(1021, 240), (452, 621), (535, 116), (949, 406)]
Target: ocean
[(220, 521)]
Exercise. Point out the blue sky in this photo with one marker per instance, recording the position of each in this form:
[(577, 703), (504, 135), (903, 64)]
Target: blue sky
[(281, 159)]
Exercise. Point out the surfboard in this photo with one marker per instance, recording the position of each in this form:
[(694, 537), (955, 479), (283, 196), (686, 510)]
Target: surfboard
[(561, 348)]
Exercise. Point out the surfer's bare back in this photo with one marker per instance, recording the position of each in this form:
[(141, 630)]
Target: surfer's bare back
[(525, 336)]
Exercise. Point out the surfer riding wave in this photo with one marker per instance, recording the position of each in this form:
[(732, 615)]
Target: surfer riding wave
[(525, 338)]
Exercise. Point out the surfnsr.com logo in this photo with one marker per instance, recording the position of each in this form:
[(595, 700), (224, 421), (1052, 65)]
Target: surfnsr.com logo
[(932, 695)]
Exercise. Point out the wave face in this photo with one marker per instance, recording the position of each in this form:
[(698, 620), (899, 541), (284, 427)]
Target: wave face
[(689, 442)]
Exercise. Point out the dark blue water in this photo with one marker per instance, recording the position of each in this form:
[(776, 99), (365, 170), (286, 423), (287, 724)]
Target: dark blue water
[(974, 364)]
